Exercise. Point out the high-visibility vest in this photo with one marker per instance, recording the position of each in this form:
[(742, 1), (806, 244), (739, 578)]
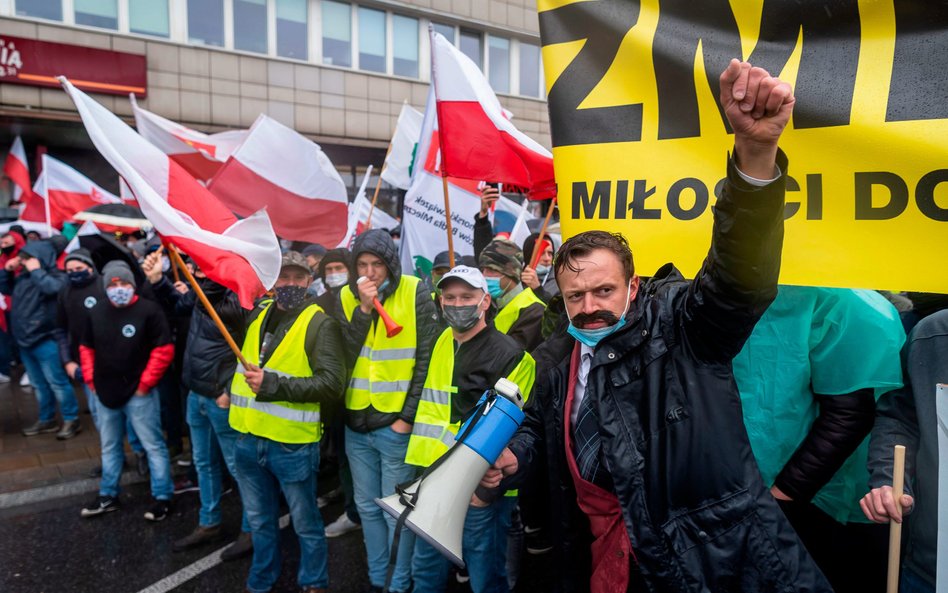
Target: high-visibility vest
[(383, 371), (284, 422), (507, 316), (433, 432)]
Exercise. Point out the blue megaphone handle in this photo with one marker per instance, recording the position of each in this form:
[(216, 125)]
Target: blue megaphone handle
[(493, 428)]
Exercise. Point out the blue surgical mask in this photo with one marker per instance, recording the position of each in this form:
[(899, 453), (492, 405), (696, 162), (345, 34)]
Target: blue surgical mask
[(494, 288), (592, 337)]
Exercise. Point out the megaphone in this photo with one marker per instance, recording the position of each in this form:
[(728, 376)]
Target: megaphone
[(435, 505), (392, 328)]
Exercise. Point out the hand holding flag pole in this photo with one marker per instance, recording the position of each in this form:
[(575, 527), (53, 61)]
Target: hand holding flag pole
[(535, 256), (895, 527)]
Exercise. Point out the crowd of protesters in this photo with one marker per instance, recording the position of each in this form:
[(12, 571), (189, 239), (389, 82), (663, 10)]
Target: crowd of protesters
[(717, 434)]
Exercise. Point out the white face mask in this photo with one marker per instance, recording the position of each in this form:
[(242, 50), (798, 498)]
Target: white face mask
[(336, 280)]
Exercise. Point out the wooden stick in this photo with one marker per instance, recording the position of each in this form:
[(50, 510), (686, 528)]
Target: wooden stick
[(173, 253), (535, 256), (895, 528), (378, 186), (174, 268), (447, 219)]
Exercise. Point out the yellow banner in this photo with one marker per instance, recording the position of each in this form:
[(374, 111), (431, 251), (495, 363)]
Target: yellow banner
[(640, 143)]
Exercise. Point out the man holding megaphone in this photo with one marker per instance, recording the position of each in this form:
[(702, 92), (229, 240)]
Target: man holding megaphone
[(468, 359), (384, 389)]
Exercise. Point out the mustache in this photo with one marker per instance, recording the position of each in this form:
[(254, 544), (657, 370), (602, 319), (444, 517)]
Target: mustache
[(584, 319)]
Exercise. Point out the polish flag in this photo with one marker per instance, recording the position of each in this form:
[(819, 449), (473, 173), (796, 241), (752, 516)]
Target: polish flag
[(478, 141), (60, 193), (242, 255), (17, 170), (201, 155), (292, 177)]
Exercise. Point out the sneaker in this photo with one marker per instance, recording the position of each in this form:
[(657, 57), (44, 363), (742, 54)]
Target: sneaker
[(342, 526), (70, 429), (536, 541), (25, 381), (462, 575), (141, 463), (185, 484), (4, 378), (199, 537), (329, 498), (101, 505), (241, 548), (159, 510), (40, 428)]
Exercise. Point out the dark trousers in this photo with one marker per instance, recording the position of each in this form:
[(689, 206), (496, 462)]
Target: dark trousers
[(853, 556)]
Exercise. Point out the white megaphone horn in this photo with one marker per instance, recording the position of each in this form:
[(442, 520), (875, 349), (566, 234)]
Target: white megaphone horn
[(436, 503)]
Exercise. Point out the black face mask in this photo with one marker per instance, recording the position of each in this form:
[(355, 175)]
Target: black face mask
[(8, 250), (80, 278), (290, 298)]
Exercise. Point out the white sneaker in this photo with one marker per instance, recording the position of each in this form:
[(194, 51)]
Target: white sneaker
[(25, 381), (341, 526), (4, 378)]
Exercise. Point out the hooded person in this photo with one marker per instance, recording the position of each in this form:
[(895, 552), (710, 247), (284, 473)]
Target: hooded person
[(384, 390), (333, 272), (517, 311), (540, 279), (34, 282)]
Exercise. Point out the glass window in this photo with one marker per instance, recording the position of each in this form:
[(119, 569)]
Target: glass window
[(405, 46), (206, 22), (44, 9), (371, 39), (529, 70), (499, 49), (471, 46), (446, 30), (149, 17), (97, 13), (250, 25), (291, 29), (337, 33)]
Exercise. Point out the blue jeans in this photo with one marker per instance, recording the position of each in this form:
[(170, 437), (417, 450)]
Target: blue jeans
[(377, 461), (92, 400), (264, 468), (145, 415), (49, 380), (912, 583), (485, 552), (211, 438)]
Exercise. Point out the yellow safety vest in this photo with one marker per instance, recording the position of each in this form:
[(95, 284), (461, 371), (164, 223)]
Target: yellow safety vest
[(385, 366), (433, 433), (507, 316), (283, 422)]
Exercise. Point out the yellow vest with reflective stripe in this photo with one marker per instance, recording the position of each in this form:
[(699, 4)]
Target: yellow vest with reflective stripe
[(385, 366), (283, 422), (507, 316), (433, 433)]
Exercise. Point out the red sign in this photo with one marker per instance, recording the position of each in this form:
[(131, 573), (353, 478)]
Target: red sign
[(38, 63)]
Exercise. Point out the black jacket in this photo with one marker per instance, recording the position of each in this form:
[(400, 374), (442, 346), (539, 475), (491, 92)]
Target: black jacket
[(35, 294), (208, 362), (428, 329), (697, 513), (73, 307)]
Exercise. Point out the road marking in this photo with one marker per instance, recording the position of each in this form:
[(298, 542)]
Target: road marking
[(175, 580), (9, 500)]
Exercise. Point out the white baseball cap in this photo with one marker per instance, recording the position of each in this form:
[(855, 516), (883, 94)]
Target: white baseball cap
[(471, 276)]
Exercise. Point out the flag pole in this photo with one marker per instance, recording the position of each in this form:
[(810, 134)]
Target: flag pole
[(447, 219), (895, 528), (535, 256), (176, 259), (378, 186)]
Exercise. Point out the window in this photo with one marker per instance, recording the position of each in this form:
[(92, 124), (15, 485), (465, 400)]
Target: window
[(44, 9), (291, 29), (250, 25), (499, 60), (206, 22), (97, 13), (446, 30), (371, 40), (471, 46), (405, 46), (337, 33), (530, 70), (148, 17)]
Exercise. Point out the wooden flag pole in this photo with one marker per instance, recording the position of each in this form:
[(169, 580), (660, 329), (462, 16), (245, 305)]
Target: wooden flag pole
[(378, 186), (535, 256), (176, 259), (174, 268), (447, 219), (895, 528)]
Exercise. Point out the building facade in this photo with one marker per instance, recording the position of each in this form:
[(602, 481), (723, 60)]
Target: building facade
[(337, 72)]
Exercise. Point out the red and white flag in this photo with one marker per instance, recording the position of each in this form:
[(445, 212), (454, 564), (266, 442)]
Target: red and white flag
[(17, 169), (478, 141), (243, 255), (60, 193), (292, 177), (201, 155)]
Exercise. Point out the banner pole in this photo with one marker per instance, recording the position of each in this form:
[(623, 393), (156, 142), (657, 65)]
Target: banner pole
[(895, 528), (535, 256), (447, 218), (176, 259), (378, 186)]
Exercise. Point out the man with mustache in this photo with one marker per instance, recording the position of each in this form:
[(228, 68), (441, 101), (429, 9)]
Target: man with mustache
[(637, 416)]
